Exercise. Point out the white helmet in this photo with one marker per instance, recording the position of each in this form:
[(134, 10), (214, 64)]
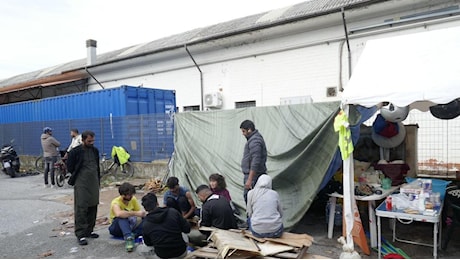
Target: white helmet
[(394, 113)]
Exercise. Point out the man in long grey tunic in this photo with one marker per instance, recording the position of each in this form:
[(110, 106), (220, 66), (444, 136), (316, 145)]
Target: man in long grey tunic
[(83, 163)]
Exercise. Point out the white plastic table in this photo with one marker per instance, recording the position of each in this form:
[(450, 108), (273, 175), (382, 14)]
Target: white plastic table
[(408, 218), (371, 207)]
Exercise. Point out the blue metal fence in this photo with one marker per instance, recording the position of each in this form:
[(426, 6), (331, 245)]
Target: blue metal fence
[(146, 137)]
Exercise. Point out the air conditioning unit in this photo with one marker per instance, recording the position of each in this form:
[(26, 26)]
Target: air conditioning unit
[(213, 100)]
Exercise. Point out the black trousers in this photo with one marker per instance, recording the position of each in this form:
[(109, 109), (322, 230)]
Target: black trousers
[(181, 204), (85, 220)]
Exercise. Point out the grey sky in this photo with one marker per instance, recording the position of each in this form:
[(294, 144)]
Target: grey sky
[(38, 34)]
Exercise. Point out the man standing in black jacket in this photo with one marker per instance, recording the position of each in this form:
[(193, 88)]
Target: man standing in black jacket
[(254, 156), (83, 163), (163, 230)]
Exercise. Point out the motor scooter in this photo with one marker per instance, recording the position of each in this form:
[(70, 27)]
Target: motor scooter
[(10, 160)]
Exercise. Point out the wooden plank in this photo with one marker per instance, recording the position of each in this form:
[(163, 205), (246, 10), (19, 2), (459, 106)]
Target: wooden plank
[(209, 249), (302, 252), (292, 239), (285, 255)]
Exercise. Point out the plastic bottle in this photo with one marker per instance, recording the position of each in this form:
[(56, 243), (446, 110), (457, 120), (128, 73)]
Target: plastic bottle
[(389, 203), (437, 200), (421, 202)]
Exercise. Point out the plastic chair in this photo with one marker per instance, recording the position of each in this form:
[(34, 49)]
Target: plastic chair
[(452, 203)]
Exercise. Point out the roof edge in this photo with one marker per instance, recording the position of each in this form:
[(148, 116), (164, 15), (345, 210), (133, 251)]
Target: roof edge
[(65, 76), (241, 31)]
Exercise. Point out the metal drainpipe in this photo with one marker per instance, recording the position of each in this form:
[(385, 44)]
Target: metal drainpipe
[(348, 43), (201, 77)]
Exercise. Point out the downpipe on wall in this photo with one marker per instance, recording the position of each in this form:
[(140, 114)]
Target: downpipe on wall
[(201, 77)]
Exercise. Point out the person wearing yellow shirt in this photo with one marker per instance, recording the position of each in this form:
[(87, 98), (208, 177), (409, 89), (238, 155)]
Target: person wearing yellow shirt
[(126, 215)]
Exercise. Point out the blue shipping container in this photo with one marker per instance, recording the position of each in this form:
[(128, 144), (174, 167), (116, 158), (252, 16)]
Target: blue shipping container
[(120, 101), (139, 119)]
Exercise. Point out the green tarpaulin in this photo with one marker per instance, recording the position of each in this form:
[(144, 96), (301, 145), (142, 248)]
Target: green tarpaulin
[(300, 141)]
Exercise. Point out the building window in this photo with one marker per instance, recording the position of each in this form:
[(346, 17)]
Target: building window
[(191, 108), (242, 104)]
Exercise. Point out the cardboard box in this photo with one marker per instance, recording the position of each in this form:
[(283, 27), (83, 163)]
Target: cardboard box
[(411, 188)]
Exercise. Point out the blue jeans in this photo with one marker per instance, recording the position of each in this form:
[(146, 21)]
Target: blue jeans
[(120, 227), (278, 233)]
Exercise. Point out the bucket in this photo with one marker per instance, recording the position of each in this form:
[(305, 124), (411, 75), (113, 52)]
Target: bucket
[(436, 184)]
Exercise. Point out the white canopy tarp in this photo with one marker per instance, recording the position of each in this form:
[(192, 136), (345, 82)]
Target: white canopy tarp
[(408, 70), (420, 70)]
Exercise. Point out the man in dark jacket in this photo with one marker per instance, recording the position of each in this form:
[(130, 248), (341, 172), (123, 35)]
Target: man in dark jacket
[(163, 228), (216, 210), (83, 163), (254, 156)]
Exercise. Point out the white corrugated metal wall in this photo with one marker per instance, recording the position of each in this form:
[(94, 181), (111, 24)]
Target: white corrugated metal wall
[(266, 70)]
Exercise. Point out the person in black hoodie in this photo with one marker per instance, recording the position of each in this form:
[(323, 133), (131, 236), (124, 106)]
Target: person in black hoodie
[(163, 228), (216, 210)]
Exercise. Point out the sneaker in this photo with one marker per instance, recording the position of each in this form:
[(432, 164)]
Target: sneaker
[(47, 186), (93, 235), (53, 186), (82, 241), (129, 244)]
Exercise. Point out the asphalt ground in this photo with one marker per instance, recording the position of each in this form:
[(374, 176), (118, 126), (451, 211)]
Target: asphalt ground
[(37, 222)]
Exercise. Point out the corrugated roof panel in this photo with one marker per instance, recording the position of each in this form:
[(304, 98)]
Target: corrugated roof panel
[(298, 11)]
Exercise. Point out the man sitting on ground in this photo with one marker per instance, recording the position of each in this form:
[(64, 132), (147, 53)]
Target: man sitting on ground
[(216, 211), (126, 215), (180, 198), (163, 230)]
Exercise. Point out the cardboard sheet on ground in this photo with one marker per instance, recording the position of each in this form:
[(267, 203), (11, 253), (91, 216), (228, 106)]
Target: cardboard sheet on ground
[(300, 141), (272, 248), (228, 242)]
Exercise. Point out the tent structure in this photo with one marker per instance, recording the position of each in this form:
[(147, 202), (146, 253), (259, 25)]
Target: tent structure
[(301, 144), (417, 70)]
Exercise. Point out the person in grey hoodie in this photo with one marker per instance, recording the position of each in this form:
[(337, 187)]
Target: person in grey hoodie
[(50, 153), (265, 214)]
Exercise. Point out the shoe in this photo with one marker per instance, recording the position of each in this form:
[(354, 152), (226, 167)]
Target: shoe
[(82, 241), (53, 186), (93, 235), (47, 186), (129, 244)]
